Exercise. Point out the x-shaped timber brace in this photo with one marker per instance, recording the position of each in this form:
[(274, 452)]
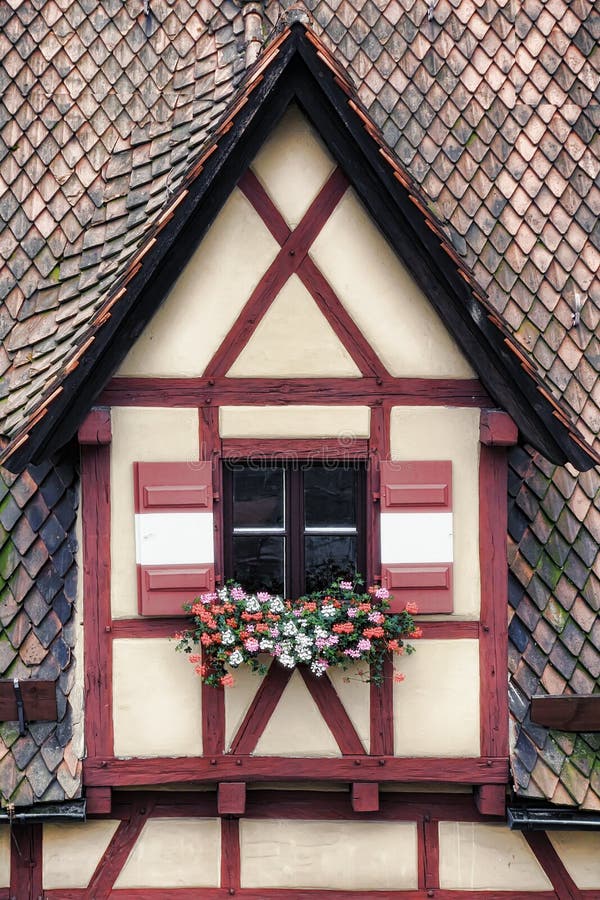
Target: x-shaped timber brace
[(488, 773)]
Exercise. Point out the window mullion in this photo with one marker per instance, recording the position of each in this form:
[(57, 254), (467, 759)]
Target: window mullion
[(296, 531)]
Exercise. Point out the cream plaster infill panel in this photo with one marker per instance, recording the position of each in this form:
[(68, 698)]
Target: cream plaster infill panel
[(580, 853), (174, 853), (481, 857), (436, 709), (5, 856), (294, 340), (293, 165), (240, 695), (436, 432), (140, 435), (71, 852), (296, 727), (335, 855), (293, 421), (383, 299), (208, 296), (355, 693), (157, 700)]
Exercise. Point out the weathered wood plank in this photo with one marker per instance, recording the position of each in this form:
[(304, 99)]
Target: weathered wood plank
[(235, 767)]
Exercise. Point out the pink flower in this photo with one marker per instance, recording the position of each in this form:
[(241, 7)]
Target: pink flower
[(238, 593), (351, 612), (382, 593), (364, 644), (263, 596), (355, 654), (376, 617), (251, 645), (345, 585)]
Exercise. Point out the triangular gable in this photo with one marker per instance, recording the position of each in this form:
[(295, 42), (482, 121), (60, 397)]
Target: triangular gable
[(297, 68)]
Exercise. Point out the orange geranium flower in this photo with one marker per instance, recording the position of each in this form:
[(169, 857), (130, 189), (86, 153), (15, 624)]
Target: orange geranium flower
[(376, 631)]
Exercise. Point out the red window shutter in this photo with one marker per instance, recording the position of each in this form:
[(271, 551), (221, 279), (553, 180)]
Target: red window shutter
[(416, 534), (174, 535)]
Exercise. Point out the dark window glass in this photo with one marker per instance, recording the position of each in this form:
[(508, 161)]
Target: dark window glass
[(295, 527), (259, 562), (257, 497), (327, 558), (330, 496)]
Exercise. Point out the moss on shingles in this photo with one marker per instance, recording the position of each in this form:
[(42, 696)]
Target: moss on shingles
[(555, 615)]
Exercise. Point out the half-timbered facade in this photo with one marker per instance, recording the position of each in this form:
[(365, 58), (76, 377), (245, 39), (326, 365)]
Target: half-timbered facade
[(295, 311)]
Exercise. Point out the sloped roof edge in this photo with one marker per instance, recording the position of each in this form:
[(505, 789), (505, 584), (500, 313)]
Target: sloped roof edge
[(297, 66)]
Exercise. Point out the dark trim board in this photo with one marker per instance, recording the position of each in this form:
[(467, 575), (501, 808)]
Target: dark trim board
[(299, 70)]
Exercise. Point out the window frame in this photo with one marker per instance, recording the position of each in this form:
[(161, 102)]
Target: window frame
[(294, 531)]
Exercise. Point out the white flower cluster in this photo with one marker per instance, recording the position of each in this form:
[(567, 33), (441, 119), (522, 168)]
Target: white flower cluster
[(276, 605), (236, 659), (328, 610)]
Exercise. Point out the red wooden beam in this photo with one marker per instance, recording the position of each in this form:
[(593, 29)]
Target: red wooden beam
[(96, 428), (430, 841), (146, 628), (553, 866), (287, 261), (493, 635), (231, 798), (98, 801), (95, 502), (25, 862), (117, 852), (365, 796), (230, 855), (261, 709), (264, 206), (295, 894), (333, 711), (273, 448), (235, 767), (342, 323), (213, 698), (275, 391), (497, 429), (449, 629), (490, 799)]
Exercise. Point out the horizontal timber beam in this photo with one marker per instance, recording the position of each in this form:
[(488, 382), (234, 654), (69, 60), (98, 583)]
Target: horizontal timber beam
[(169, 770), (276, 391)]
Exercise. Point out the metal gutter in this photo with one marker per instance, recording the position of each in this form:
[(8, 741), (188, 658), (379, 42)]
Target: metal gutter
[(73, 811), (541, 818)]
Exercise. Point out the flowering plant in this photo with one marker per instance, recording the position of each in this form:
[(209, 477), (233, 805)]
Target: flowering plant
[(335, 627)]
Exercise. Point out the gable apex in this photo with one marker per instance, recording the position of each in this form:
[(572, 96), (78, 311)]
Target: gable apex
[(295, 68)]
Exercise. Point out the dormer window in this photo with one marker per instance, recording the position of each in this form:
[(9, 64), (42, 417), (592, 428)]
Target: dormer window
[(293, 526)]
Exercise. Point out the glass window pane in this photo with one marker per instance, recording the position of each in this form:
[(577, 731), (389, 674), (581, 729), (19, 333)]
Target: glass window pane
[(258, 562), (330, 496), (257, 496), (327, 558)]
